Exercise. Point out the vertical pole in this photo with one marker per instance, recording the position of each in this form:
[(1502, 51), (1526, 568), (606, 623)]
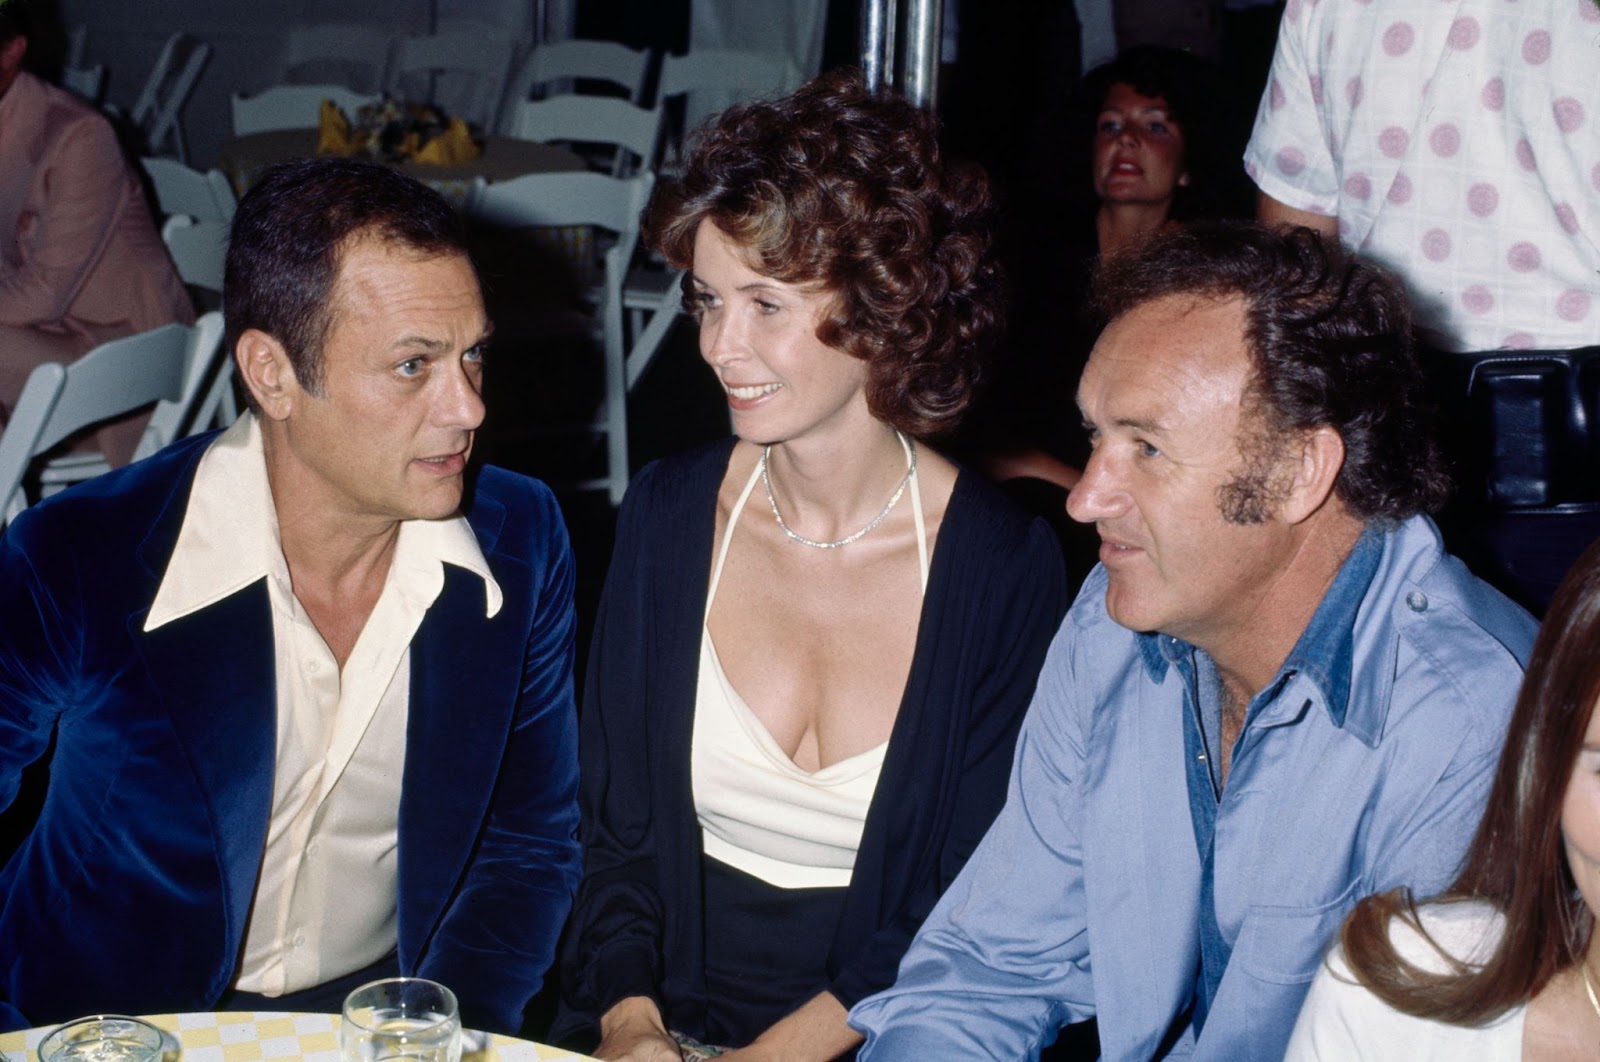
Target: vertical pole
[(877, 43), (924, 38)]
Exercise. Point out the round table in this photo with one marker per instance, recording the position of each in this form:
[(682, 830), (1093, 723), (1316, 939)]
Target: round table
[(263, 1036), (245, 158)]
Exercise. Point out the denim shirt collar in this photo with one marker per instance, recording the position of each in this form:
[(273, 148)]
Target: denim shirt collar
[(1325, 651)]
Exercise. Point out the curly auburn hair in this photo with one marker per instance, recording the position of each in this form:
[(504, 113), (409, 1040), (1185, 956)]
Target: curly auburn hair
[(1330, 344), (844, 190)]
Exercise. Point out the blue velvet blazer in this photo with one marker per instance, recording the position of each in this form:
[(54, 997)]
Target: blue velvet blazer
[(132, 891)]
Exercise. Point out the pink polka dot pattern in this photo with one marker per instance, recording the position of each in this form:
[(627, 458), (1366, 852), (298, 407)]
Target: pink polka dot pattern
[(1536, 47), (1398, 38), (1525, 156), (1494, 94), (1436, 245), (1463, 33), (1517, 341), (1594, 176), (1352, 92), (1482, 199), (1393, 141), (1523, 257), (1588, 10), (1573, 305), (1445, 140), (1316, 90), (1276, 97), (1569, 114), (1291, 161), (1477, 299), (1291, 10), (1400, 190), (1568, 218), (1358, 186)]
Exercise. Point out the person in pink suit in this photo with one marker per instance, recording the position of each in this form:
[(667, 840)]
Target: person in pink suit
[(80, 259)]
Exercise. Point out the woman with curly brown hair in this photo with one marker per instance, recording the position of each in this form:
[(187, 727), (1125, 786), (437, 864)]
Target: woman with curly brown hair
[(1506, 964), (817, 639)]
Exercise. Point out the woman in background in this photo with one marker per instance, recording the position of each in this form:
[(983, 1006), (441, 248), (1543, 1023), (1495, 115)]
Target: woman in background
[(1143, 151), (817, 640), (1505, 964)]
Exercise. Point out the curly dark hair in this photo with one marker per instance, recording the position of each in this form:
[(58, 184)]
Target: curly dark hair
[(1330, 338), (839, 188)]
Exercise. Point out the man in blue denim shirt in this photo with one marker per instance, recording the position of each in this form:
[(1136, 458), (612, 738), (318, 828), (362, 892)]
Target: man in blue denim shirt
[(1276, 694)]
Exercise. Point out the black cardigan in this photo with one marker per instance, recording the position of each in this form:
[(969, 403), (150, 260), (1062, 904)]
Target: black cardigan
[(996, 593)]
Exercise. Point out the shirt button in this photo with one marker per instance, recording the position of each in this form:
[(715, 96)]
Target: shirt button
[(311, 849), (1417, 601), (299, 939)]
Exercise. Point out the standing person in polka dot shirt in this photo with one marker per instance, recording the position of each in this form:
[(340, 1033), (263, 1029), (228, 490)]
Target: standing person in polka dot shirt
[(1459, 145), (1456, 143)]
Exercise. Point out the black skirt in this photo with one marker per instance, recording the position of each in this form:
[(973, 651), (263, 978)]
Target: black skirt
[(766, 951)]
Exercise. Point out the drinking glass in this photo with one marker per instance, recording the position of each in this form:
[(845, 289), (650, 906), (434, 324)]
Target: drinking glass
[(103, 1038), (401, 1018)]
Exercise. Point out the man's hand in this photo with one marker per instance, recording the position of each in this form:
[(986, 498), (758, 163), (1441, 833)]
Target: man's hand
[(632, 1031)]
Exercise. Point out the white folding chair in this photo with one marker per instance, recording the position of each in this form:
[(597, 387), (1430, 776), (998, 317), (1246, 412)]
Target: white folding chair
[(614, 204), (174, 365), (711, 80), (88, 83), (355, 54), (199, 249), (628, 133), (181, 190), (466, 71), (158, 110), (293, 107), (565, 62)]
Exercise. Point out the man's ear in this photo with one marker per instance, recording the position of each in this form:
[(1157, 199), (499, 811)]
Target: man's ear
[(1319, 458), (266, 370)]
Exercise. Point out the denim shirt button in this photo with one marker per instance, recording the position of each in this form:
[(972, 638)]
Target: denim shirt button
[(1417, 601)]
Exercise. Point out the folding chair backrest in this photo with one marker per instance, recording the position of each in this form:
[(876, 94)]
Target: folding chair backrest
[(358, 53), (114, 378), (172, 80), (180, 190), (293, 107), (481, 56), (605, 61), (86, 82), (591, 120), (199, 249), (199, 405), (724, 77)]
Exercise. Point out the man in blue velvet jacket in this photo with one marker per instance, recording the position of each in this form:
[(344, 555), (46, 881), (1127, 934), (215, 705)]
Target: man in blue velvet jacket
[(309, 685)]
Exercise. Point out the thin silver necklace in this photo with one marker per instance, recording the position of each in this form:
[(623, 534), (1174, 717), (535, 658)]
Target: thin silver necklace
[(766, 482)]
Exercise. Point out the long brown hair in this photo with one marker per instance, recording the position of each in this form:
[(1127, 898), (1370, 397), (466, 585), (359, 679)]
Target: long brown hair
[(1516, 861)]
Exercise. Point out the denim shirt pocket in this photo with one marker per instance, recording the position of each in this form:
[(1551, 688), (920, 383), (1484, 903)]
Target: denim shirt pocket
[(1285, 945)]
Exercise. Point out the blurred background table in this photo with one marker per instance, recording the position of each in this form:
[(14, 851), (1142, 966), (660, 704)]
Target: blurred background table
[(241, 1037), (245, 158)]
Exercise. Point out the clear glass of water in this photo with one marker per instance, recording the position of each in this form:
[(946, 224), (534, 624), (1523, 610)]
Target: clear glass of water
[(400, 1018), (103, 1038)]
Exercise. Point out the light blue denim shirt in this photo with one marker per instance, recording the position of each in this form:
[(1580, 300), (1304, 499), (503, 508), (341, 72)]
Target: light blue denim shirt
[(1084, 899)]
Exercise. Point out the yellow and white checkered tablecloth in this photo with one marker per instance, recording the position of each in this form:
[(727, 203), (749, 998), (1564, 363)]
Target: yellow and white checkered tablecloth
[(264, 1036)]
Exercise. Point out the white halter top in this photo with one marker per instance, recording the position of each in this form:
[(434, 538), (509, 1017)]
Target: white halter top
[(758, 812)]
